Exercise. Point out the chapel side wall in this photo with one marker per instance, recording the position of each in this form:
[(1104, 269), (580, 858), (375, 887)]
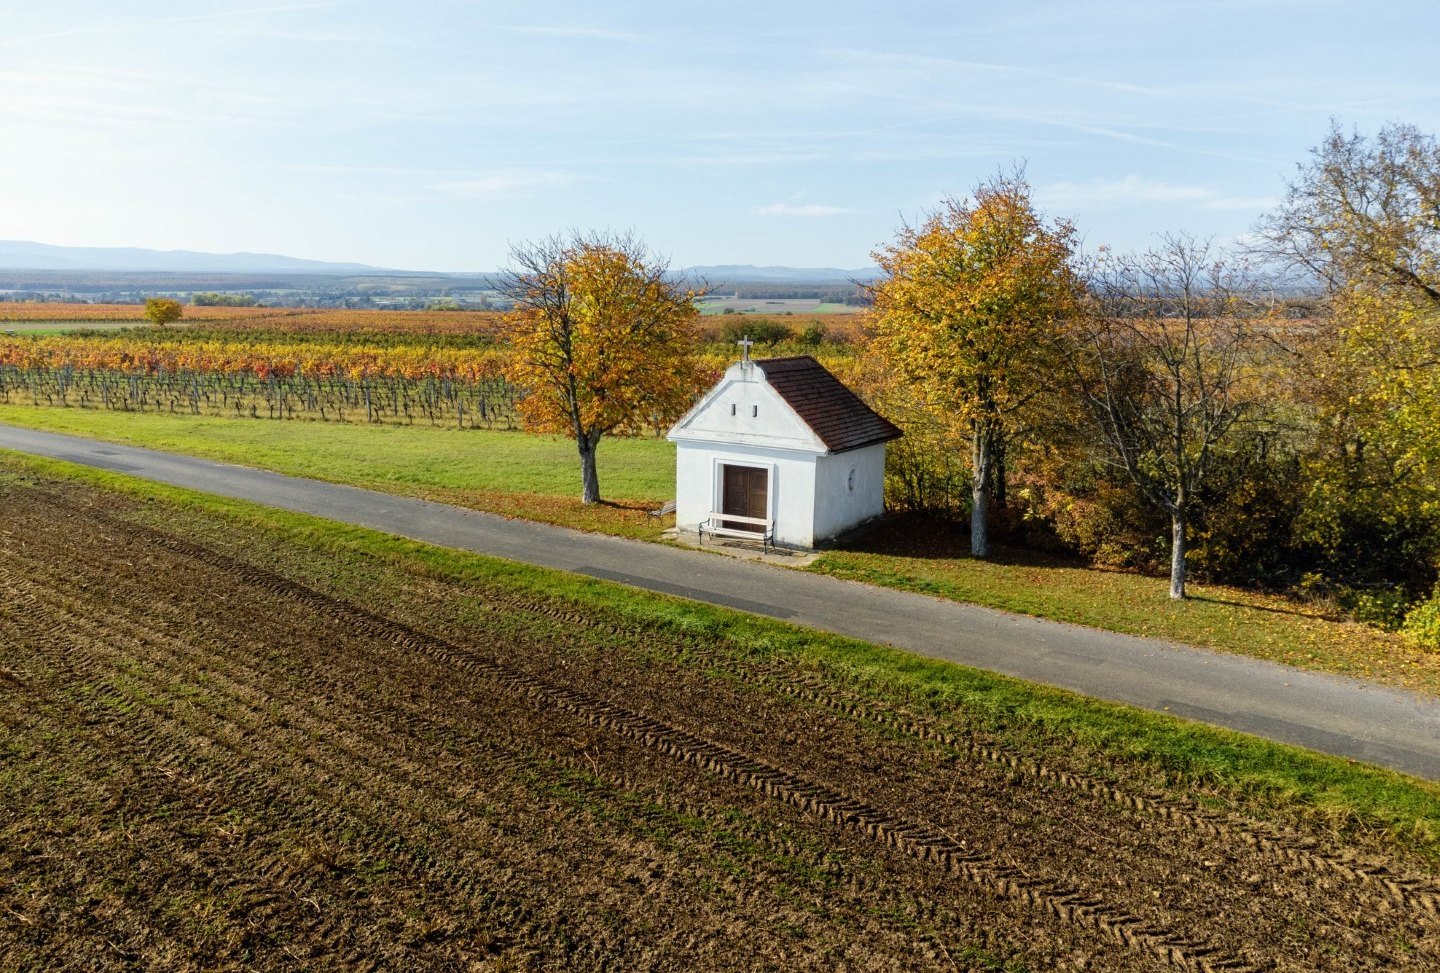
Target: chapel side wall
[(837, 507), (792, 487), (692, 486)]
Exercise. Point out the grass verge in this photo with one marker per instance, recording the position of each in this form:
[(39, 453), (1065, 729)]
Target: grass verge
[(536, 478), (1182, 760), (1228, 619)]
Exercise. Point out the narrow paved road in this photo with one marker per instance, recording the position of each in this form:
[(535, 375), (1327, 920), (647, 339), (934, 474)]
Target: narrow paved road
[(1341, 716)]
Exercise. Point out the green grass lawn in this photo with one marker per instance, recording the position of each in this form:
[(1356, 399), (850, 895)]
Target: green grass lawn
[(537, 478), (1153, 753), (919, 555)]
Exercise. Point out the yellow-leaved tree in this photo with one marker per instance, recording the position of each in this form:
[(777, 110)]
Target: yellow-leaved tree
[(162, 310), (603, 340), (967, 312), (1363, 217)]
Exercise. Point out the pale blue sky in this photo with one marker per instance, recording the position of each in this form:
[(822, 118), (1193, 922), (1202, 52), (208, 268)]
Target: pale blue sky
[(431, 135)]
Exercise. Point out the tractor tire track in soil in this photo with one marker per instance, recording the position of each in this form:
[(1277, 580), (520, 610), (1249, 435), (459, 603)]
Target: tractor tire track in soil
[(916, 839), (167, 739), (313, 796), (330, 739), (82, 666), (405, 776), (1402, 891)]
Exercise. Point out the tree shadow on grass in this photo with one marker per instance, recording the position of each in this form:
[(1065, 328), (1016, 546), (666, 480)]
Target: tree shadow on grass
[(932, 538), (1299, 612), (630, 506)]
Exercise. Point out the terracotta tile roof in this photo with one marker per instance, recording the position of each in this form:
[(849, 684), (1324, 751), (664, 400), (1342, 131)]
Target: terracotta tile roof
[(836, 414)]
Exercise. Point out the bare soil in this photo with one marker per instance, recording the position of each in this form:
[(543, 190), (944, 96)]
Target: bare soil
[(216, 757)]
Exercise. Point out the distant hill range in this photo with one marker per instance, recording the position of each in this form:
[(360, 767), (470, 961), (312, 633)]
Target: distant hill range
[(750, 274), (23, 255)]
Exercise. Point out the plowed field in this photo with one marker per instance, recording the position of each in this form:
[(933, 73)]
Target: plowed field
[(212, 759)]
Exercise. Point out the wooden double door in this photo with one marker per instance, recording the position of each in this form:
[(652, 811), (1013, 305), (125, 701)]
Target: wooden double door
[(745, 492)]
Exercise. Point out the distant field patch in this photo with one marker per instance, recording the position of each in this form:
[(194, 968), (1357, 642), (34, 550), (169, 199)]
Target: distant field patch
[(23, 315), (53, 313), (745, 305)]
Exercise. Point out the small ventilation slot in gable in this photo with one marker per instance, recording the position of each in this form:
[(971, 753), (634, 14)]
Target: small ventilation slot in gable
[(754, 411)]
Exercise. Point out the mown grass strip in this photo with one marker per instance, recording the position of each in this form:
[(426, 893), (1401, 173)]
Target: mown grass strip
[(529, 476), (537, 478), (1220, 768), (1229, 619)]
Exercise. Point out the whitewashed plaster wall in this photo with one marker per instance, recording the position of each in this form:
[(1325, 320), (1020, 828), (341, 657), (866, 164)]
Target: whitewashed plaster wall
[(743, 420), (792, 487), (841, 503)]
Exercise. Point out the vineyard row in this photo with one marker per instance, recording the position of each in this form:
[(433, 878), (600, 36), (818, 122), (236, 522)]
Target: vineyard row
[(487, 403)]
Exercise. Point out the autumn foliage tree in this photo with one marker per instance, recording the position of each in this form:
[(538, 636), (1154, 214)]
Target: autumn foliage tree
[(967, 312), (162, 310), (1165, 357), (1363, 216), (603, 340)]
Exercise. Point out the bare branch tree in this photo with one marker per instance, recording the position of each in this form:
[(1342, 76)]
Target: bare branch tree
[(1163, 363), (1365, 213)]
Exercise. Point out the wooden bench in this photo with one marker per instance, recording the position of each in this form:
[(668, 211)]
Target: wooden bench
[(664, 511), (715, 527)]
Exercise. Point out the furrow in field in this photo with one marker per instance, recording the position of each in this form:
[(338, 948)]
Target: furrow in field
[(526, 659), (250, 772), (1224, 885), (1397, 889), (149, 737), (920, 841)]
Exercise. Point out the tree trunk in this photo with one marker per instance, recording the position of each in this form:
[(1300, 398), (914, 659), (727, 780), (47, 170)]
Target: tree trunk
[(1177, 553), (980, 494), (997, 473), (589, 476)]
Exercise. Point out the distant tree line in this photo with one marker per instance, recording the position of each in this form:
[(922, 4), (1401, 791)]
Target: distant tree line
[(217, 299), (851, 294)]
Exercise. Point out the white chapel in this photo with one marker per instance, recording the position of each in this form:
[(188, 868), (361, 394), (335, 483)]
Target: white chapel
[(781, 450)]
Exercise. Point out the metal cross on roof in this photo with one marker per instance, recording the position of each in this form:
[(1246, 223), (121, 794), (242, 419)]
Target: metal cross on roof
[(745, 344)]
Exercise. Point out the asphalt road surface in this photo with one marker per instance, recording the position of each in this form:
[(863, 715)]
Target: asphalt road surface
[(1345, 717)]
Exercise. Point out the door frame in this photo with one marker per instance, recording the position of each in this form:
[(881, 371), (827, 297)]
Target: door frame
[(717, 484)]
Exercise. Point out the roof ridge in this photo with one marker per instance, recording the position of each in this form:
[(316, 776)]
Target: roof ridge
[(830, 408), (787, 358)]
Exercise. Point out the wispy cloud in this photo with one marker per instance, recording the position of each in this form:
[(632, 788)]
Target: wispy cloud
[(801, 210), (508, 183), (1133, 190), (930, 63), (111, 27), (592, 33)]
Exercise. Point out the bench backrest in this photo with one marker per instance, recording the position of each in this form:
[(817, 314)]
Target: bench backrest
[(758, 521)]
